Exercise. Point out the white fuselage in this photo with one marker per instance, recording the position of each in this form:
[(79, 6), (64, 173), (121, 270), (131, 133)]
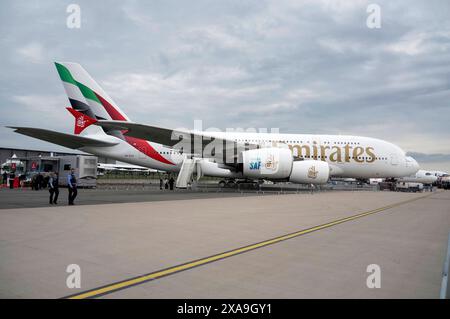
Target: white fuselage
[(422, 176), (347, 156)]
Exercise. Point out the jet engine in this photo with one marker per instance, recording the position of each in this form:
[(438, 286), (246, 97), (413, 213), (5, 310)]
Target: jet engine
[(279, 164), (310, 172)]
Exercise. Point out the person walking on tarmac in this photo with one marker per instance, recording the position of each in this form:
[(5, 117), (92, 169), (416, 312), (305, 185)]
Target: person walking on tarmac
[(171, 181), (72, 184), (53, 188), (5, 178), (39, 181), (12, 176)]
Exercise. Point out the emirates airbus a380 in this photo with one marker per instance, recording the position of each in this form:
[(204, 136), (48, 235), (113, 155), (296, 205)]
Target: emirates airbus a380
[(103, 129)]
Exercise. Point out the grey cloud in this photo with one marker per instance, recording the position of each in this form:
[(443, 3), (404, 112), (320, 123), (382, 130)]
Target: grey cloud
[(439, 162), (430, 158)]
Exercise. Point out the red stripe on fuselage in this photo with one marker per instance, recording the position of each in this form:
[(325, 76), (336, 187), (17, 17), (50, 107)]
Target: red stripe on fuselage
[(144, 147), (141, 145)]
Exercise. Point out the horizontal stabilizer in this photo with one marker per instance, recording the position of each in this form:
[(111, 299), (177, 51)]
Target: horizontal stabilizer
[(63, 139), (152, 133)]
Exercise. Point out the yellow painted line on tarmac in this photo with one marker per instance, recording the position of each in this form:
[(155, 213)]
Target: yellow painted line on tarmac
[(96, 292)]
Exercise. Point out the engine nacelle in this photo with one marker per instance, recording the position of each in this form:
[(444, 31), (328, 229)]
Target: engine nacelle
[(271, 163), (207, 168), (310, 172), (278, 164)]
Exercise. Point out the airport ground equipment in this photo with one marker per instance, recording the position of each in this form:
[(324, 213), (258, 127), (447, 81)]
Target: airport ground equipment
[(443, 182), (387, 185), (409, 187), (185, 174), (85, 168)]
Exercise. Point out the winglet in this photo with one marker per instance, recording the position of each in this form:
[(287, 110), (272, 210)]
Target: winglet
[(82, 121)]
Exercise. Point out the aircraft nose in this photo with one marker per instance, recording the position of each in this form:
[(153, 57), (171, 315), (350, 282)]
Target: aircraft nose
[(413, 164), (416, 165)]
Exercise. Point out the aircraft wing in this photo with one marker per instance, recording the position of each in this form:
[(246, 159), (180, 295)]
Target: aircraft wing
[(162, 135), (170, 137), (63, 139), (151, 133)]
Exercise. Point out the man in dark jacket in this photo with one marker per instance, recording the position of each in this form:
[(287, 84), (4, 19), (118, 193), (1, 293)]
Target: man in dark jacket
[(39, 181), (12, 176), (53, 188), (72, 185), (5, 178)]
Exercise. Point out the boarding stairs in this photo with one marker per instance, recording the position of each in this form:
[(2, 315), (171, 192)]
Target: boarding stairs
[(186, 171)]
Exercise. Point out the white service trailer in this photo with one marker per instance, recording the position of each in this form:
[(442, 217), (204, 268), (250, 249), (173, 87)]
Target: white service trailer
[(85, 169), (409, 187)]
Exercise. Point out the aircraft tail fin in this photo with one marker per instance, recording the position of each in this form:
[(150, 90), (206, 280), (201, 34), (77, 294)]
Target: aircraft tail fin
[(85, 95)]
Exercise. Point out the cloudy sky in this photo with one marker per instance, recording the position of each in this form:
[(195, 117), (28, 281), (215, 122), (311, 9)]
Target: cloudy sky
[(301, 66)]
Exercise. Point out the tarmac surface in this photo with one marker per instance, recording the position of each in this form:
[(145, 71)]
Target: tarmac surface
[(28, 198), (137, 192), (195, 248)]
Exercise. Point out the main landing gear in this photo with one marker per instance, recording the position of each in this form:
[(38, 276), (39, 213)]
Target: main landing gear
[(241, 183)]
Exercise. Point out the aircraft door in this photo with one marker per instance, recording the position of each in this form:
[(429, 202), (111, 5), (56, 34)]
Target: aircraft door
[(394, 159)]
